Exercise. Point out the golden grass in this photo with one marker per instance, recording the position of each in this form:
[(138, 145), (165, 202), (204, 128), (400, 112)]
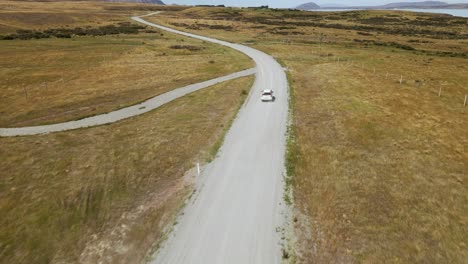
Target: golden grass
[(105, 193), (378, 163), (41, 15), (378, 166), (57, 190), (267, 26), (55, 80)]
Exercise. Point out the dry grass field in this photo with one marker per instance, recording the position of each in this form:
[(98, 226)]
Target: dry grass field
[(62, 192), (378, 167), (54, 80), (377, 158), (45, 14), (51, 80), (104, 194)]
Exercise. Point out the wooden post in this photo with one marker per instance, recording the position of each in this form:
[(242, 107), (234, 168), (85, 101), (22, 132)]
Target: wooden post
[(401, 79), (440, 91), (25, 91), (466, 96)]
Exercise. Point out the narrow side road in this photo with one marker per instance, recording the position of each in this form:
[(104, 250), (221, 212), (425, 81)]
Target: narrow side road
[(123, 113), (236, 211)]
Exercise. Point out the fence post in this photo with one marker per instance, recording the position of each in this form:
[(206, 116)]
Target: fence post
[(464, 103), (440, 91), (401, 79), (25, 91)]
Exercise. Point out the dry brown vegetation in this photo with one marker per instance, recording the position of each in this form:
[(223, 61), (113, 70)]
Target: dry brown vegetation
[(21, 14), (379, 167), (53, 80), (61, 191), (103, 194)]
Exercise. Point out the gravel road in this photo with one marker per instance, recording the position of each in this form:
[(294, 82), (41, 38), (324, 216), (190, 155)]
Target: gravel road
[(236, 210), (122, 113)]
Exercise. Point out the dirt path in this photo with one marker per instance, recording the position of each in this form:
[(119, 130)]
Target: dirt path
[(123, 113), (236, 211)]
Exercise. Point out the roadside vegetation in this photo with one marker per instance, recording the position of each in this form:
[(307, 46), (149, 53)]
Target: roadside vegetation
[(378, 158), (54, 80), (119, 28), (106, 193), (82, 70), (41, 15)]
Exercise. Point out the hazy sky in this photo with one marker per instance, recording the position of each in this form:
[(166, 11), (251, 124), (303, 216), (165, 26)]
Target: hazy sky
[(291, 3)]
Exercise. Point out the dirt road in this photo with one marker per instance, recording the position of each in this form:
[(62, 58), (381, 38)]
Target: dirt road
[(235, 213), (123, 113)]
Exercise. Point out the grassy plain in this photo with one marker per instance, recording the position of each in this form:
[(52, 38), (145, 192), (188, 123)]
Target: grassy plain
[(53, 80), (103, 194), (64, 193), (45, 14), (379, 166)]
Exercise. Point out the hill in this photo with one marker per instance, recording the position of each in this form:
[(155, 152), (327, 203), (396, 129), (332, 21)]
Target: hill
[(156, 2), (421, 5), (401, 5), (425, 4), (308, 6), (457, 6)]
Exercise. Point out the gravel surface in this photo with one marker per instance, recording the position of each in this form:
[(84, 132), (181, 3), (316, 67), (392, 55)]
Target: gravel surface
[(237, 208), (122, 113)]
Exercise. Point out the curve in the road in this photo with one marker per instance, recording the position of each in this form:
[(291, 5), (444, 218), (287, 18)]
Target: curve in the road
[(236, 212), (122, 113)]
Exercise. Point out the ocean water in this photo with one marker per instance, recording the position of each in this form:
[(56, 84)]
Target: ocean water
[(453, 12)]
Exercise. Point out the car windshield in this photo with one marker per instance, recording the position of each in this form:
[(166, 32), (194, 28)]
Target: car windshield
[(266, 93)]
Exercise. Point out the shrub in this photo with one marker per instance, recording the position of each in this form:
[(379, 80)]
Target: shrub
[(121, 28), (187, 47)]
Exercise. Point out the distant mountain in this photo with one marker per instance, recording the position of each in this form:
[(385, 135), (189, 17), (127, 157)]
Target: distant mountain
[(420, 5), (396, 5), (308, 6), (425, 4), (457, 6), (156, 2)]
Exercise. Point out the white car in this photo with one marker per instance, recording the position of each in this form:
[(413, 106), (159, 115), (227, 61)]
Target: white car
[(267, 96)]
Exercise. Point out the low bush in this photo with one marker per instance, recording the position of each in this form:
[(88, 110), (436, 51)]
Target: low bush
[(386, 44), (121, 28), (187, 47)]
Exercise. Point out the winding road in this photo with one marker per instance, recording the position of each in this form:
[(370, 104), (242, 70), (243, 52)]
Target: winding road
[(123, 113), (236, 210)]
